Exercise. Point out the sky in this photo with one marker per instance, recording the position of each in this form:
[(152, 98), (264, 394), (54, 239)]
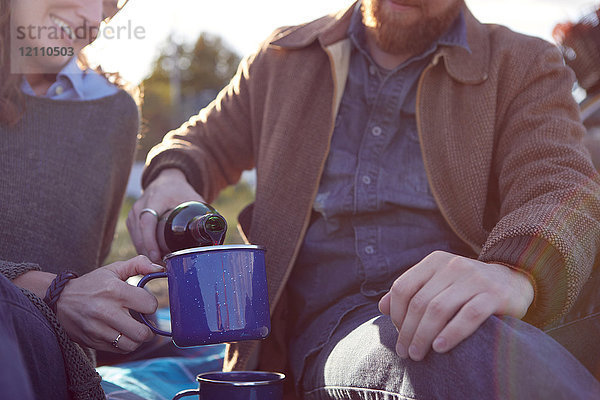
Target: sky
[(145, 24)]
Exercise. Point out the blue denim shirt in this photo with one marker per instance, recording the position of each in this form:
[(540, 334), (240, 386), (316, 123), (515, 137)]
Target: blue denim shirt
[(374, 214), (74, 84)]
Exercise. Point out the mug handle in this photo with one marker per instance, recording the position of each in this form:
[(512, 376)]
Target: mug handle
[(145, 279), (185, 393)]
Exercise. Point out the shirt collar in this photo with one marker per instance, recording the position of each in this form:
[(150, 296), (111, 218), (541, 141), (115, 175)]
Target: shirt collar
[(469, 66), (456, 35), (73, 76)]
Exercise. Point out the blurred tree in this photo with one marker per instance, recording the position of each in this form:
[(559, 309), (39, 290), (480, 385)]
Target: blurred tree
[(185, 78)]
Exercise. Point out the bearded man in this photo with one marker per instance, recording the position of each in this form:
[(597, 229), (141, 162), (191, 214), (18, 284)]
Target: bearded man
[(424, 196)]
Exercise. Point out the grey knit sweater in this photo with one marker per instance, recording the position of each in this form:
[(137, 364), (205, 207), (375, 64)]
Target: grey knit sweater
[(63, 172)]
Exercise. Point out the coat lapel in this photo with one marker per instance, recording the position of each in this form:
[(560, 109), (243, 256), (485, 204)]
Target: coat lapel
[(456, 121)]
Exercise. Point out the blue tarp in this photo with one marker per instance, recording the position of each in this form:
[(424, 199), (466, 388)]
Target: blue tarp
[(160, 378)]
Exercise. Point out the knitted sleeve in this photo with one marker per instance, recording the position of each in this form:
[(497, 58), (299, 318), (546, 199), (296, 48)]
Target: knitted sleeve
[(13, 270), (549, 216)]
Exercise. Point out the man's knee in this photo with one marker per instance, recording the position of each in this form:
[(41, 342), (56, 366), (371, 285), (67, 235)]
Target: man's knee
[(503, 355), (364, 356)]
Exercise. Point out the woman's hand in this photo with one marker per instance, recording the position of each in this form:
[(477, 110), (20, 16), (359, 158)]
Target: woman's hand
[(166, 192), (94, 308)]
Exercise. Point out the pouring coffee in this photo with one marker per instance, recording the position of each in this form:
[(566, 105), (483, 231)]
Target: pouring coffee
[(217, 293)]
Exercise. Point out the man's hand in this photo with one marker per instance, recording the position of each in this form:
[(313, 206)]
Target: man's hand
[(444, 298), (94, 308), (166, 192)]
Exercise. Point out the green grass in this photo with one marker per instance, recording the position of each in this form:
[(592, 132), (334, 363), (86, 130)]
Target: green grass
[(230, 202)]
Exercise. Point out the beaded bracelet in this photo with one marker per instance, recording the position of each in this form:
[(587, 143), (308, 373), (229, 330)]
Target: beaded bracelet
[(56, 288)]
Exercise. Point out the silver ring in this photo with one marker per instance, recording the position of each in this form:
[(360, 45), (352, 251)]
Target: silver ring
[(115, 343), (149, 210)]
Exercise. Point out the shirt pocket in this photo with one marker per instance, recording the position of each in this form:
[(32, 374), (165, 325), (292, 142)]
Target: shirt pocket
[(336, 191), (403, 176), (408, 120)]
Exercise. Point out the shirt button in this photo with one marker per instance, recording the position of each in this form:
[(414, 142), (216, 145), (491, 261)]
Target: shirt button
[(376, 131), (369, 250), (366, 179), (60, 90), (372, 70)]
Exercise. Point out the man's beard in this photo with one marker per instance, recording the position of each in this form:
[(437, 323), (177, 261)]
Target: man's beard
[(393, 35)]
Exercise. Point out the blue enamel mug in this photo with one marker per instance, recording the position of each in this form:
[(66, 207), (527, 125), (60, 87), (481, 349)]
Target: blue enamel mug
[(237, 385), (217, 294)]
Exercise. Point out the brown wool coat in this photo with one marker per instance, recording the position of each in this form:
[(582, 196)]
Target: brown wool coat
[(500, 137)]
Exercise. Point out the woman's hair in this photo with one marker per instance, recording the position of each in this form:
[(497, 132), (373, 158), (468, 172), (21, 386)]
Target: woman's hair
[(580, 44), (12, 100)]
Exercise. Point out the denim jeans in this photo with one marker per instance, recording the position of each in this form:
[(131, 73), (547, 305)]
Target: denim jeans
[(505, 358), (31, 363)]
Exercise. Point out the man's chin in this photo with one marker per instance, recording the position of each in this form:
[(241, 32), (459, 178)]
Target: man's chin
[(400, 38), (403, 34)]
